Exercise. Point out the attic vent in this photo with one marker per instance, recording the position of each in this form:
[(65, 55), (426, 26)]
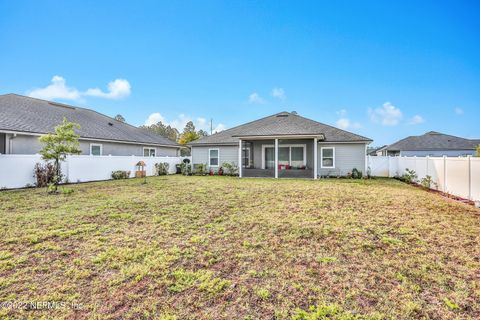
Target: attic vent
[(110, 124), (58, 104), (282, 115)]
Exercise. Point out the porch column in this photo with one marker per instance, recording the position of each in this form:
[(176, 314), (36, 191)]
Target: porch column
[(276, 158), (315, 158), (240, 158)]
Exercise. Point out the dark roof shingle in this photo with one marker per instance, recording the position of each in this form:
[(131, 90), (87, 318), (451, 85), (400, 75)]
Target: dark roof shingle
[(31, 115), (433, 141), (281, 124)]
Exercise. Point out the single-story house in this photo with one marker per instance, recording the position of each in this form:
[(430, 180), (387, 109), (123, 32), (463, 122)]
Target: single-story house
[(24, 119), (283, 145), (434, 144)]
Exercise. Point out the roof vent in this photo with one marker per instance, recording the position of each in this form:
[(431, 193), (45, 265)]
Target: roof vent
[(110, 124), (294, 112), (282, 115)]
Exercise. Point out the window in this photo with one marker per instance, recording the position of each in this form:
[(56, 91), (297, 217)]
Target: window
[(213, 157), (288, 154), (246, 157), (149, 152), (95, 149), (328, 157)]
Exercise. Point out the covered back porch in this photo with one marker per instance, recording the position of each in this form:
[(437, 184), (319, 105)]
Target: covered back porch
[(278, 157)]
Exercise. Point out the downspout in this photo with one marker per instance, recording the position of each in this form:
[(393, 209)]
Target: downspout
[(10, 143)]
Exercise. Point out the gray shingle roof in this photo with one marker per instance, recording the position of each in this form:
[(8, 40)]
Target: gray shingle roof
[(433, 141), (281, 124), (31, 115)]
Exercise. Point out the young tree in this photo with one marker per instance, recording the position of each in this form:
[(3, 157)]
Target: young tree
[(56, 146), (120, 118), (477, 153)]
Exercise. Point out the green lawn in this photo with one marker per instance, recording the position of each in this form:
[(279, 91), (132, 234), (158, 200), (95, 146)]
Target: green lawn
[(227, 248)]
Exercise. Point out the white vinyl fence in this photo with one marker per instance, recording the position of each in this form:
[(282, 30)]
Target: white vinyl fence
[(458, 176), (16, 171)]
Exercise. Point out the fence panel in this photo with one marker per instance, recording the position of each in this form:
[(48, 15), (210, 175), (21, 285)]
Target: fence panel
[(16, 171), (458, 176)]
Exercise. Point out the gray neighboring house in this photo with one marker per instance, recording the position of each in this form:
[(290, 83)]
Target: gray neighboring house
[(23, 119), (283, 145), (432, 144)]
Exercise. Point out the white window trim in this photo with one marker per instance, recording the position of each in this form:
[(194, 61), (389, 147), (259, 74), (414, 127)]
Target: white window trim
[(321, 158), (304, 146), (149, 148), (218, 156), (96, 145)]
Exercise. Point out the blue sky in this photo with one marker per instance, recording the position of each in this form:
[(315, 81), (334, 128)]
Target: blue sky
[(381, 70)]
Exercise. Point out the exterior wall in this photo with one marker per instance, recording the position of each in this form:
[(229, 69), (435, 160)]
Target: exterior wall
[(347, 157), (437, 153), (226, 154), (27, 144)]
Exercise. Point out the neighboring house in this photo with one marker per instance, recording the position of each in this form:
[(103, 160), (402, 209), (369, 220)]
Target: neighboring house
[(432, 144), (376, 151), (24, 119), (283, 145)]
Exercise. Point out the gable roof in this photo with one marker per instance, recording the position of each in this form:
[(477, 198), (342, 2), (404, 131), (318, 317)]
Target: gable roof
[(433, 141), (280, 124), (30, 115)]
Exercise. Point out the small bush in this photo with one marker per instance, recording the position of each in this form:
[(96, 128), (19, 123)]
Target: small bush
[(230, 169), (161, 169), (200, 169), (44, 174), (427, 182), (356, 174), (410, 176), (186, 168), (120, 174)]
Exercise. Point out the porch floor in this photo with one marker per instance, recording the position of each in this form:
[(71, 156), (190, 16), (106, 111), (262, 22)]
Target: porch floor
[(270, 173)]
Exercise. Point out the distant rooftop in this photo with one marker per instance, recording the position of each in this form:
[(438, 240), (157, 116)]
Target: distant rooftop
[(30, 115), (433, 141)]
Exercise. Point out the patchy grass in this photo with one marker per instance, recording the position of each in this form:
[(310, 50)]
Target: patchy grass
[(227, 248)]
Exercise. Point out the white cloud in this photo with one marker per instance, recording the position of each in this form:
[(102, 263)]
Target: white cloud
[(416, 119), (180, 122), (255, 98), (279, 93), (58, 89), (117, 89), (387, 115), (458, 111), (154, 118), (345, 123)]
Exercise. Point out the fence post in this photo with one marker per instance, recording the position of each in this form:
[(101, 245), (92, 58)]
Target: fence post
[(469, 177), (426, 172), (444, 173)]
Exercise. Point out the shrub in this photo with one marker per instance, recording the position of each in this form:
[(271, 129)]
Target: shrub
[(231, 169), (120, 174), (186, 168), (44, 174), (427, 182), (200, 169), (409, 176), (356, 174), (161, 169)]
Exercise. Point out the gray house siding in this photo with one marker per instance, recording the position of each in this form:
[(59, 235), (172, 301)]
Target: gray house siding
[(437, 153), (226, 154), (28, 144), (347, 157)]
